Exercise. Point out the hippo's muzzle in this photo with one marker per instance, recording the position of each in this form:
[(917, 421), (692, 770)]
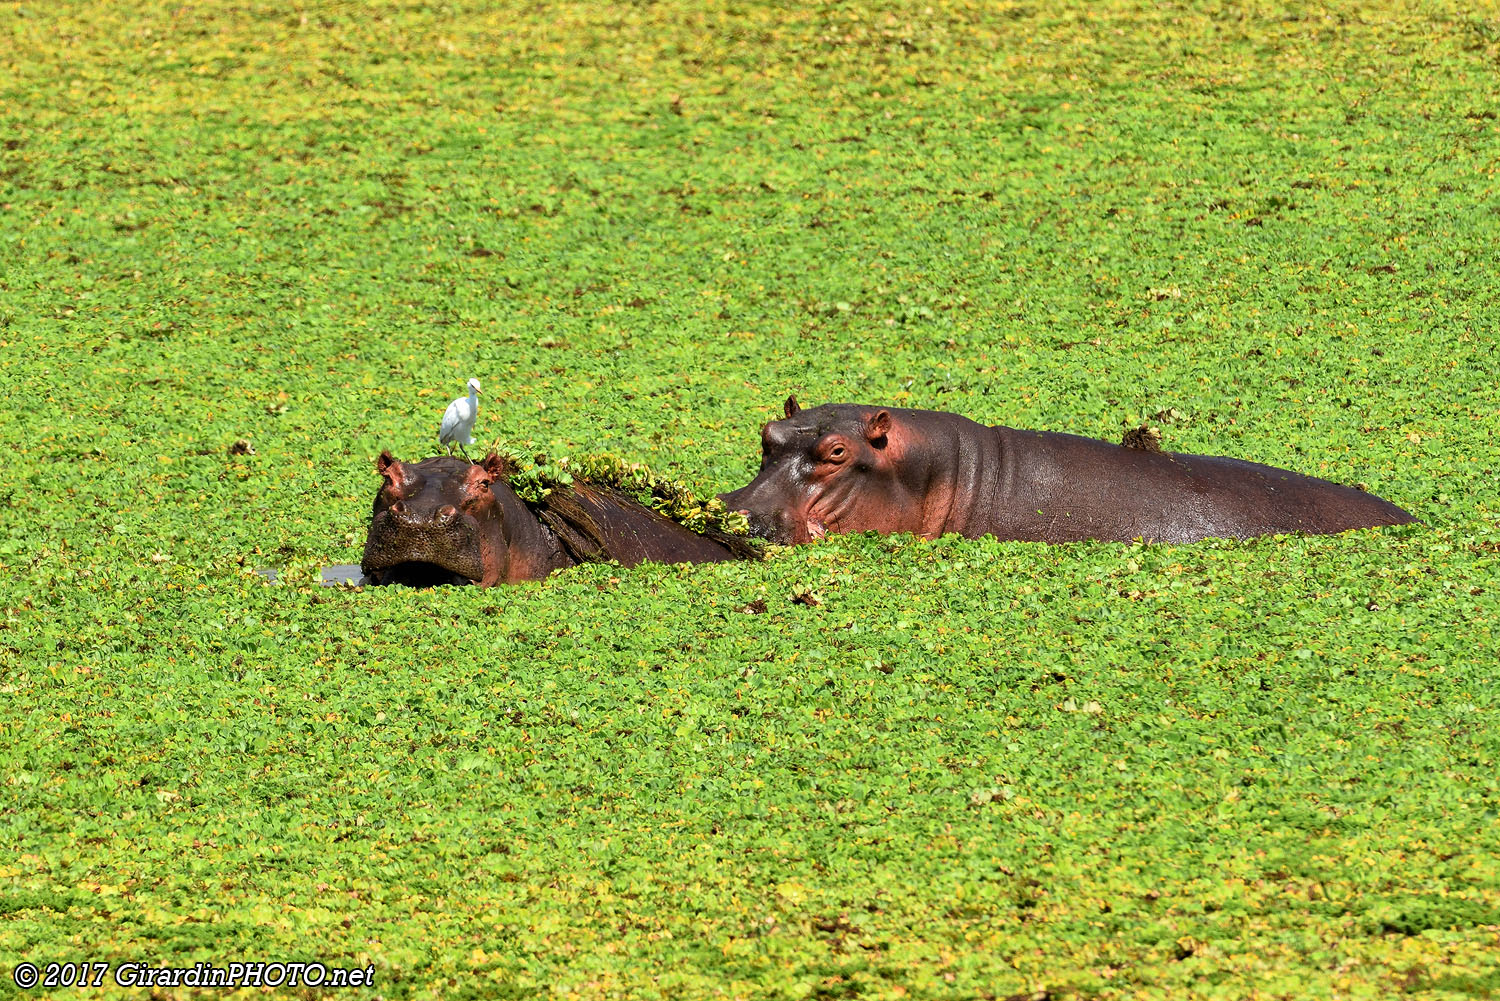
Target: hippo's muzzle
[(766, 521), (766, 526), (423, 551)]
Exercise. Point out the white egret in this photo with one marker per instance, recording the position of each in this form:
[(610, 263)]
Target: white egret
[(458, 420)]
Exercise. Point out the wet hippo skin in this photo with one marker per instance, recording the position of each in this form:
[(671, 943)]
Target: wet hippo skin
[(852, 468), (448, 521)]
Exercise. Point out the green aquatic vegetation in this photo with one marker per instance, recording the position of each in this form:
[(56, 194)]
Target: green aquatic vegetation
[(245, 246), (535, 476)]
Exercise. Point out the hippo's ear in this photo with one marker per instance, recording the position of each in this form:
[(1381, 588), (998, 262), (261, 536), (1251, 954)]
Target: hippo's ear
[(498, 466), (385, 462), (790, 407), (877, 427)]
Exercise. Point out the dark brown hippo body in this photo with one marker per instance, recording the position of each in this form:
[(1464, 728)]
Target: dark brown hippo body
[(849, 468), (448, 521)]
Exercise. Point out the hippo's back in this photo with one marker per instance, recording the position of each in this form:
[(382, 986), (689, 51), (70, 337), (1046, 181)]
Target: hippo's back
[(634, 534), (1062, 488)]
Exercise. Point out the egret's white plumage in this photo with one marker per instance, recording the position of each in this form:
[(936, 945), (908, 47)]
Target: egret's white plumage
[(458, 420)]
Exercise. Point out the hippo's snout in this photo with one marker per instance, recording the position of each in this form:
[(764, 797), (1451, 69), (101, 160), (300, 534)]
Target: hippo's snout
[(762, 525), (766, 525), (767, 521), (445, 541)]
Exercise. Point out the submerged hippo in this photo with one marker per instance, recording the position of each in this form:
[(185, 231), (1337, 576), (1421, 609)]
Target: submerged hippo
[(448, 521), (848, 468)]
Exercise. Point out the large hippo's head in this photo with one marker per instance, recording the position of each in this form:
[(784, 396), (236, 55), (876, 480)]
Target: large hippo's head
[(836, 468), (437, 522)]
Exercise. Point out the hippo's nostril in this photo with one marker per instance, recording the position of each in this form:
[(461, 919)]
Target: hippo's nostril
[(447, 513), (398, 508)]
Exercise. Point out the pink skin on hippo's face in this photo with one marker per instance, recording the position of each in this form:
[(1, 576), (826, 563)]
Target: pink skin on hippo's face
[(827, 470)]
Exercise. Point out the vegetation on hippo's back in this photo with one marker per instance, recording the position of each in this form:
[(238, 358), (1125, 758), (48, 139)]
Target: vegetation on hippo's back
[(248, 245), (536, 475)]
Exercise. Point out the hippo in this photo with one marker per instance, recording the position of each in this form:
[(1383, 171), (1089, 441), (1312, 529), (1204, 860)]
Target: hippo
[(851, 468), (446, 520)]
